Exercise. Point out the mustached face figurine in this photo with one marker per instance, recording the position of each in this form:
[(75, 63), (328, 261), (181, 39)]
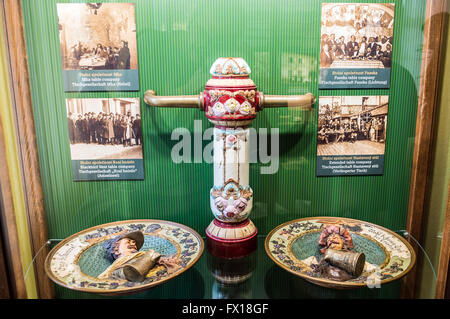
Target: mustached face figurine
[(123, 251), (129, 263), (335, 237), (124, 245)]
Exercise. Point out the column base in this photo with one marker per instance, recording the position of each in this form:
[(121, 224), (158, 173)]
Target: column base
[(231, 240)]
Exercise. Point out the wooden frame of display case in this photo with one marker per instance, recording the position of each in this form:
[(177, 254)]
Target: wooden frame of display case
[(433, 43), (29, 162), (443, 279)]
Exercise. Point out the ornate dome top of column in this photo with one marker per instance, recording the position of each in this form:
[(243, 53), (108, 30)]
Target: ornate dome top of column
[(230, 67)]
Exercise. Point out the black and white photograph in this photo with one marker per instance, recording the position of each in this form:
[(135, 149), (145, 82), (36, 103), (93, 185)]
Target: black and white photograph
[(98, 47), (97, 36), (104, 128), (356, 45), (351, 135), (352, 125), (357, 35)]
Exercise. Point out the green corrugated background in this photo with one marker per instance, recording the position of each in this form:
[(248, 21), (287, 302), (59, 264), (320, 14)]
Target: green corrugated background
[(177, 43)]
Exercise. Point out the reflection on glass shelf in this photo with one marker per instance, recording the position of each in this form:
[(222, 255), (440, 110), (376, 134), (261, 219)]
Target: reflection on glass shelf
[(280, 284), (232, 276)]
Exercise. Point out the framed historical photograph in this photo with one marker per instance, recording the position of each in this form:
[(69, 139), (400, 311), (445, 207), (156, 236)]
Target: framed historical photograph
[(351, 135), (98, 46), (105, 138), (356, 45)]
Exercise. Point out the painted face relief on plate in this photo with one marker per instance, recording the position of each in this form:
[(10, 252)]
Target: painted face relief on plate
[(79, 261), (300, 246)]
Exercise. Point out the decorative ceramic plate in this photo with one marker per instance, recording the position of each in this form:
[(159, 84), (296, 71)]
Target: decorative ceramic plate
[(76, 262), (294, 247)]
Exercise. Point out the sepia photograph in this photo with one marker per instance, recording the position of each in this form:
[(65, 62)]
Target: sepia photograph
[(352, 125), (97, 36), (109, 128), (357, 35)]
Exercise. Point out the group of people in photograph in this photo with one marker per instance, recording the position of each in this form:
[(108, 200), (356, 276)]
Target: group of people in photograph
[(358, 16), (105, 129), (372, 48), (344, 130), (113, 57)]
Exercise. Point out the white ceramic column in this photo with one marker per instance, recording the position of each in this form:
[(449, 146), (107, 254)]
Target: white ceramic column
[(231, 197)]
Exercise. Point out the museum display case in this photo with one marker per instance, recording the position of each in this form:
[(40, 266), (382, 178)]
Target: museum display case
[(237, 149)]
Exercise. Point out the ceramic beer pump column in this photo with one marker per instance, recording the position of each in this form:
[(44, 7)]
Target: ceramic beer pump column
[(231, 102)]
